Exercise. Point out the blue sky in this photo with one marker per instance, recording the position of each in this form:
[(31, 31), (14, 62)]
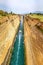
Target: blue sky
[(21, 6)]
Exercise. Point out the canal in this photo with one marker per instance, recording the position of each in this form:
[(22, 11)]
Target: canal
[(17, 57)]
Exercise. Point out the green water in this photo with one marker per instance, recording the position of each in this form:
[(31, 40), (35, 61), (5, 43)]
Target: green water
[(18, 51)]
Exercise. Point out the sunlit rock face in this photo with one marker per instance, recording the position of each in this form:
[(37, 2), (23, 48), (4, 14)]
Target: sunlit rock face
[(8, 32)]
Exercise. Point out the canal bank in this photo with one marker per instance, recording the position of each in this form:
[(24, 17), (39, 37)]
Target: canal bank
[(17, 57), (6, 44)]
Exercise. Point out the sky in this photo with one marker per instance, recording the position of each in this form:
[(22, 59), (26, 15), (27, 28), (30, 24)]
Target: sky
[(21, 6)]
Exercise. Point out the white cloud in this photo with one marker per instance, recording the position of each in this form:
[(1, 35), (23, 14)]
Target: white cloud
[(2, 1), (21, 6)]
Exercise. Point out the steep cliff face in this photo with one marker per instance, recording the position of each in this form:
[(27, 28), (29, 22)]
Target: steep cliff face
[(8, 30), (33, 41)]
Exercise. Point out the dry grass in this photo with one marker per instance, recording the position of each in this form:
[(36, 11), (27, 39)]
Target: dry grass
[(37, 16)]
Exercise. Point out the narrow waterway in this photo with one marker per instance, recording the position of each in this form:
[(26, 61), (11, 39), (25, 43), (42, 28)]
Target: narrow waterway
[(18, 51)]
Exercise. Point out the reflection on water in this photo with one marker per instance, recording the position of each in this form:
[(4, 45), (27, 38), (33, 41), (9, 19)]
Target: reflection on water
[(18, 51)]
